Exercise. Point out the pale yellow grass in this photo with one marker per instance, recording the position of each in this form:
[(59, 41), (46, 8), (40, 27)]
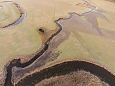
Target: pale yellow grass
[(23, 39)]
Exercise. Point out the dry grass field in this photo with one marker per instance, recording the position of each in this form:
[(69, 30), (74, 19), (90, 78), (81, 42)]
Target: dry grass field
[(88, 30)]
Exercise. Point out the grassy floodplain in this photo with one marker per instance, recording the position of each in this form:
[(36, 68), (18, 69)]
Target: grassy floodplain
[(23, 38)]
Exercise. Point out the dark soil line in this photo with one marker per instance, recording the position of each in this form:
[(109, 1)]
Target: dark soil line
[(65, 68), (60, 69), (17, 62)]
